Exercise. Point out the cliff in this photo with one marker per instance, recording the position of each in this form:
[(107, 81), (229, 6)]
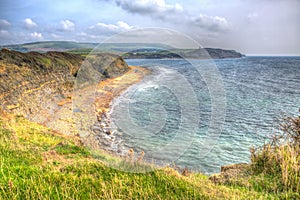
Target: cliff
[(36, 85)]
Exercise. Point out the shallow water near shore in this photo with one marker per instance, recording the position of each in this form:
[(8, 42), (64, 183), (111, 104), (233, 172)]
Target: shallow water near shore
[(258, 90)]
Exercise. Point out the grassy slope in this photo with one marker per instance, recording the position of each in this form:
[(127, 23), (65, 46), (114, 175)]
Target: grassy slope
[(37, 163)]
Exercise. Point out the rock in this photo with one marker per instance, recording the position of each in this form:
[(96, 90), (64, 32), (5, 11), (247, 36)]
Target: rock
[(112, 138), (233, 168), (229, 173), (107, 130), (96, 129), (102, 125)]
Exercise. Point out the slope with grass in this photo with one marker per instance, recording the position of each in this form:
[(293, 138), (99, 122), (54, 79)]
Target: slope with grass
[(37, 163)]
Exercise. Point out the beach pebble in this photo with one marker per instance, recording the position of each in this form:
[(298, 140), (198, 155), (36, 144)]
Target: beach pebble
[(96, 128), (102, 124), (76, 110), (107, 130)]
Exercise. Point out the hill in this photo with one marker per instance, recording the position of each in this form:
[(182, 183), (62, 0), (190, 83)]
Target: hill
[(201, 53), (128, 50)]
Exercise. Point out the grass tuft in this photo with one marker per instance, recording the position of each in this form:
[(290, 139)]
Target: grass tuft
[(277, 163)]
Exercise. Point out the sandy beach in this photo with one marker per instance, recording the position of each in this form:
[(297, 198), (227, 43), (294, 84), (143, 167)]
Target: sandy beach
[(108, 89), (106, 137)]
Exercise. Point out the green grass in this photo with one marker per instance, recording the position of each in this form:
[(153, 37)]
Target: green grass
[(277, 163), (37, 163), (275, 166)]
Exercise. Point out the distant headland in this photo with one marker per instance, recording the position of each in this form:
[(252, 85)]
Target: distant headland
[(127, 50)]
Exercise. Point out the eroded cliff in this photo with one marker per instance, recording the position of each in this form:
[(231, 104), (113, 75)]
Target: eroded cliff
[(37, 85)]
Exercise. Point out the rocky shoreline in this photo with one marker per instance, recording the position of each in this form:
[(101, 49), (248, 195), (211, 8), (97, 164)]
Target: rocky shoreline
[(109, 138)]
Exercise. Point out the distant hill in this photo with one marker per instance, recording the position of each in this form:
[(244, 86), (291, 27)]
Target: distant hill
[(128, 50), (76, 46), (201, 53)]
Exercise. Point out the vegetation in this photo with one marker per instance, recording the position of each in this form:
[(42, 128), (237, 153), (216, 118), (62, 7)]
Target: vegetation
[(278, 162), (37, 163), (128, 50), (274, 167)]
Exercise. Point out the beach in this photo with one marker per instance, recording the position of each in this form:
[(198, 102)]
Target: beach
[(108, 138)]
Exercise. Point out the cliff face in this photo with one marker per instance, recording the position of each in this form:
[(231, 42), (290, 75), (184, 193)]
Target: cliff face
[(36, 85)]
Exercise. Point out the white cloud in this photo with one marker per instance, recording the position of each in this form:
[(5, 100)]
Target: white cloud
[(4, 33), (4, 23), (104, 29), (36, 35), (67, 25), (82, 34), (55, 36), (148, 6), (213, 23), (252, 17), (29, 23), (174, 14), (124, 25)]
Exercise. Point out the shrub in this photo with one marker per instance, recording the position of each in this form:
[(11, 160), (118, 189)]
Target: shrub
[(279, 160)]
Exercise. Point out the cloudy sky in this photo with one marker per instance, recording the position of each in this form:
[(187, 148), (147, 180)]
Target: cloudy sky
[(249, 26)]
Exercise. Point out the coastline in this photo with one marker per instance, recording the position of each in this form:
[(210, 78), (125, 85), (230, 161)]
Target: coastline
[(108, 138)]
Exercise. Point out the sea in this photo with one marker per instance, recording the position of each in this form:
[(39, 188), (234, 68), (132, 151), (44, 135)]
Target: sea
[(203, 114)]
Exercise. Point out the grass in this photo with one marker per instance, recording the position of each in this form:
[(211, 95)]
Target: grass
[(37, 163), (275, 166), (278, 161)]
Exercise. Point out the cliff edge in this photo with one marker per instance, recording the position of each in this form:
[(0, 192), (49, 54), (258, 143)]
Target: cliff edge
[(36, 85)]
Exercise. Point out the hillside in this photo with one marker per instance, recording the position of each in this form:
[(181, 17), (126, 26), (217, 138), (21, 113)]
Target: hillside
[(128, 50), (35, 85), (37, 163), (201, 53)]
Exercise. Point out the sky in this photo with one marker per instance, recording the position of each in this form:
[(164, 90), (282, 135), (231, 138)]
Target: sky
[(253, 27)]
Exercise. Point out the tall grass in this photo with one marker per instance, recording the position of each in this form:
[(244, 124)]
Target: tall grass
[(278, 162)]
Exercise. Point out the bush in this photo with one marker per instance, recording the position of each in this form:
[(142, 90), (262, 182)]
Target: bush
[(279, 160)]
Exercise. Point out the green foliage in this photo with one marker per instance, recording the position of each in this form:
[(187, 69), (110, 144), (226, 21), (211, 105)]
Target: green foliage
[(276, 165), (45, 61), (66, 149), (36, 163)]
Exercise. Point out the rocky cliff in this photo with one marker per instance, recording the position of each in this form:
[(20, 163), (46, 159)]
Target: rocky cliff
[(36, 85)]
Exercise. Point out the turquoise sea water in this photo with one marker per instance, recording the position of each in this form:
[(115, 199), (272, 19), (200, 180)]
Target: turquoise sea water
[(170, 111)]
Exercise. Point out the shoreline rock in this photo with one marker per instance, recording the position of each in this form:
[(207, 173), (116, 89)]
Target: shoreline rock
[(230, 173)]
